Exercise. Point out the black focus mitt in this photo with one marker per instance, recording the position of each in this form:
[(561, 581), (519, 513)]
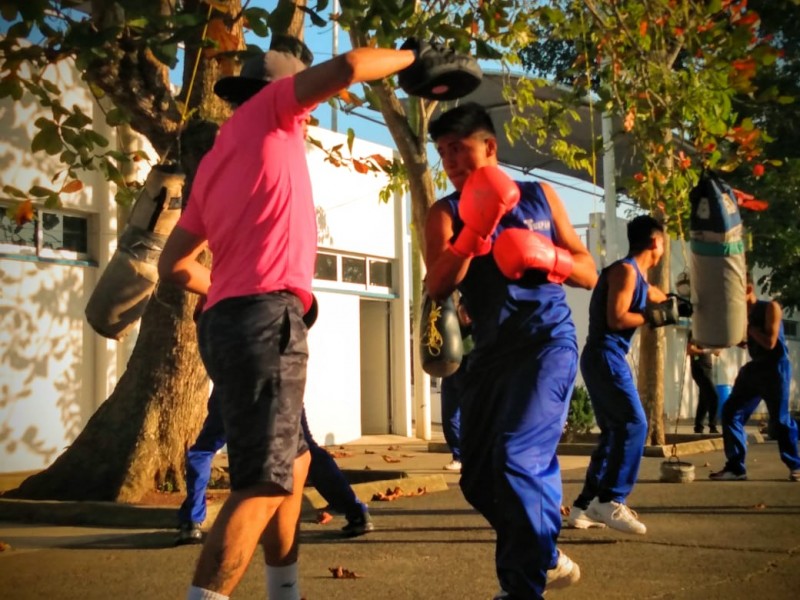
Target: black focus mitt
[(441, 348), (438, 73), (662, 313), (685, 308)]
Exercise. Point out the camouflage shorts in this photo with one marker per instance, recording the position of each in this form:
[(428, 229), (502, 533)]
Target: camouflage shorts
[(255, 350)]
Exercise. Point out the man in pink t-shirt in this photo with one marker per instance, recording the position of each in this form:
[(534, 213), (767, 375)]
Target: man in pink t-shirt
[(251, 205)]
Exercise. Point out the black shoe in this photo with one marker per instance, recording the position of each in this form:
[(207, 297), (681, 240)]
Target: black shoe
[(698, 429), (189, 533), (713, 429), (358, 525)]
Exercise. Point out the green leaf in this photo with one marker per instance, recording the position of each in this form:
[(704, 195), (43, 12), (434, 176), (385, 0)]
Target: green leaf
[(49, 140), (316, 20), (77, 120), (40, 192), (785, 100), (16, 192), (351, 136), (116, 117)]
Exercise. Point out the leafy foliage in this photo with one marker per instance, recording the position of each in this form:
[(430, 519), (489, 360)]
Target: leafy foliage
[(580, 419), (669, 70)]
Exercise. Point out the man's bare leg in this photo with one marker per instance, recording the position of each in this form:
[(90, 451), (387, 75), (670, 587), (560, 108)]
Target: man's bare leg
[(280, 536), (234, 536)]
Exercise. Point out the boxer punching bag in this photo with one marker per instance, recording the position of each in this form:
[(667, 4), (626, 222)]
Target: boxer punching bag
[(441, 347), (717, 268), (121, 294)]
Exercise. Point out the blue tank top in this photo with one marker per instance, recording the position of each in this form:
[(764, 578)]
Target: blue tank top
[(600, 334), (510, 315), (757, 318)]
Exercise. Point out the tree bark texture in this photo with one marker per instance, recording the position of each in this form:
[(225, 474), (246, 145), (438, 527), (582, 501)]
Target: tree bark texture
[(652, 354)]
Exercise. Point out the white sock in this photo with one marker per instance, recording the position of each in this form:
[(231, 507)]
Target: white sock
[(282, 583), (196, 593)]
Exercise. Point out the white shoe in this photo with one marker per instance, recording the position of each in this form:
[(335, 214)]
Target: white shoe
[(564, 574), (453, 465), (617, 516), (578, 519)]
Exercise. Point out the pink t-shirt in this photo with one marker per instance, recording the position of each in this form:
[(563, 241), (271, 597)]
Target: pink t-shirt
[(251, 199)]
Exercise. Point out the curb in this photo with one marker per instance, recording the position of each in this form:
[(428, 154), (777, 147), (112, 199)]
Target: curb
[(116, 514), (684, 448)]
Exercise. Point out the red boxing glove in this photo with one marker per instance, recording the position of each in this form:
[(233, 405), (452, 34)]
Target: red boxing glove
[(516, 250), (487, 195)]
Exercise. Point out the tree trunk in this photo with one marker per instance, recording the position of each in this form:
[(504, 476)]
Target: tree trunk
[(652, 354)]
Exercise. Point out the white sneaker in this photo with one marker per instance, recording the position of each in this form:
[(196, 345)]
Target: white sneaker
[(578, 519), (616, 515), (564, 574), (453, 465)]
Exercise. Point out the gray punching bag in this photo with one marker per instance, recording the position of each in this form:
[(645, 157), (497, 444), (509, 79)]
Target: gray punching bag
[(124, 288), (718, 272), (441, 347)]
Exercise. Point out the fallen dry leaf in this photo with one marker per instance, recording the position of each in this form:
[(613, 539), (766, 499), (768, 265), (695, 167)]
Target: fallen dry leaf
[(564, 511), (4, 547), (342, 573), (759, 506), (408, 455), (339, 453), (369, 451), (394, 494), (390, 459), (393, 448), (323, 517)]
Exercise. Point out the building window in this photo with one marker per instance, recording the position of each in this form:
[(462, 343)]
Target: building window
[(354, 273), (51, 234), (354, 270), (326, 268), (380, 273), (790, 329)]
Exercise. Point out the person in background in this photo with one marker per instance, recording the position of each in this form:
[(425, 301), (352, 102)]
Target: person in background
[(702, 366), (452, 390), (766, 377), (323, 472), (621, 302)]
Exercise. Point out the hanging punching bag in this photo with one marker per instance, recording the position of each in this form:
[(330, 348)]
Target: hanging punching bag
[(441, 347), (718, 271), (122, 292)]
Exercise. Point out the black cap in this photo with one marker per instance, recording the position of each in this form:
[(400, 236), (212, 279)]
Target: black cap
[(287, 55)]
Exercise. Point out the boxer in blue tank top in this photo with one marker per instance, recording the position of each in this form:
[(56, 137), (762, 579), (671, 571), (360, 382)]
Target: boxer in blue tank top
[(508, 246), (621, 302), (766, 377)]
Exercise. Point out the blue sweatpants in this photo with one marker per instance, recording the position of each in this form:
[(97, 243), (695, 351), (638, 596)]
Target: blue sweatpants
[(323, 472), (759, 380), (512, 418), (452, 391), (615, 462)]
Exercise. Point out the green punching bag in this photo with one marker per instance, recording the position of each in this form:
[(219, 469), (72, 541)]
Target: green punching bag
[(441, 347)]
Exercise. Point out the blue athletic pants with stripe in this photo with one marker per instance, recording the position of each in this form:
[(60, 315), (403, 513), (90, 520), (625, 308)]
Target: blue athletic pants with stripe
[(759, 380), (615, 462), (512, 417)]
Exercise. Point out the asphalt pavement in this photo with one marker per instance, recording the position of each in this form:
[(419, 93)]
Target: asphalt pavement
[(705, 539)]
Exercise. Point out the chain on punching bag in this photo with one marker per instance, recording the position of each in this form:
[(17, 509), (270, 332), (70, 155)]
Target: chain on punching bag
[(124, 288)]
